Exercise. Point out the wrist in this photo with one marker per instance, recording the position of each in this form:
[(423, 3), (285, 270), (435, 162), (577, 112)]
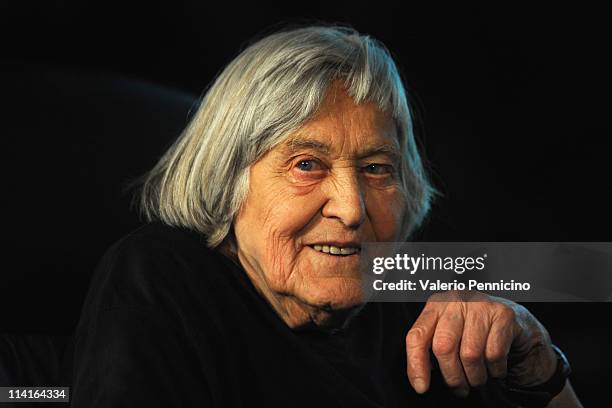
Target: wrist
[(542, 392)]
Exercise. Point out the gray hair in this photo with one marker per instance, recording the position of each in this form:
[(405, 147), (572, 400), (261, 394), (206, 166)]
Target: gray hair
[(269, 90)]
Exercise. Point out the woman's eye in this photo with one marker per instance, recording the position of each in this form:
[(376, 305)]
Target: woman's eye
[(378, 169), (308, 165)]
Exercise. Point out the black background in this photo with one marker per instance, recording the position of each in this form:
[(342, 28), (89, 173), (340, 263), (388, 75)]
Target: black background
[(514, 107)]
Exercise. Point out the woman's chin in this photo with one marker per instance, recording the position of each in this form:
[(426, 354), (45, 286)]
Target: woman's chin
[(335, 295)]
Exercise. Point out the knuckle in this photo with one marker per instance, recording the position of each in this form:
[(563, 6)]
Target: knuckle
[(507, 313), (470, 355), (415, 366), (454, 381), (415, 336), (495, 356), (444, 345)]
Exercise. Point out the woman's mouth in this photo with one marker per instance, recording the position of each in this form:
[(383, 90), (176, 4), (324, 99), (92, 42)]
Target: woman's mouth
[(335, 250)]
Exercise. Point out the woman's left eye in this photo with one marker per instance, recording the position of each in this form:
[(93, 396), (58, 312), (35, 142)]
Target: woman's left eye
[(308, 165), (375, 168)]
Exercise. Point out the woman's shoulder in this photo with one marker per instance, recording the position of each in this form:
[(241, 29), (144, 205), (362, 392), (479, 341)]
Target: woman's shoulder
[(156, 268), (163, 247)]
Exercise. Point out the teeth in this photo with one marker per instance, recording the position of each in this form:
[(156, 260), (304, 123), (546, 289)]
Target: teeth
[(334, 250)]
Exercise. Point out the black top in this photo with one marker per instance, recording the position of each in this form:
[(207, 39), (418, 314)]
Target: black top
[(170, 323)]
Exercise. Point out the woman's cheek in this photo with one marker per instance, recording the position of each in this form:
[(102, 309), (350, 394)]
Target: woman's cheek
[(287, 214), (296, 206), (279, 257)]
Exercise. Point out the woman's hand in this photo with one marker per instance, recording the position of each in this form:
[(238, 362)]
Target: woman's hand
[(474, 336)]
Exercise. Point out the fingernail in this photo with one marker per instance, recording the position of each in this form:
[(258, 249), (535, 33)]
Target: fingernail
[(462, 392), (419, 385)]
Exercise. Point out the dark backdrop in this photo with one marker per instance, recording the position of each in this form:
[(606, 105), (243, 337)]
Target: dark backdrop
[(514, 107)]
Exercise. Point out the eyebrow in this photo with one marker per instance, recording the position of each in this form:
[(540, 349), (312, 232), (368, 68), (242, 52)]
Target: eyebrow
[(387, 149), (298, 143)]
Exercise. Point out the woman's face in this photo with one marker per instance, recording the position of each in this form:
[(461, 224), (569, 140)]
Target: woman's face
[(313, 200)]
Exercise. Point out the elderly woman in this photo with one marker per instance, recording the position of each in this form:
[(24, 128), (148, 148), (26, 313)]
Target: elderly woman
[(243, 288)]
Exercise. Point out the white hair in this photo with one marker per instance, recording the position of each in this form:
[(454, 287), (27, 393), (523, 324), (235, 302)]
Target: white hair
[(270, 89)]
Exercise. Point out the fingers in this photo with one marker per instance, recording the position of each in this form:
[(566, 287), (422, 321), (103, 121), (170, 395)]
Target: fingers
[(445, 346), (498, 346), (470, 341), (418, 343), (472, 349)]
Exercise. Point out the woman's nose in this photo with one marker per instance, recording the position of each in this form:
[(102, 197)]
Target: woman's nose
[(346, 200)]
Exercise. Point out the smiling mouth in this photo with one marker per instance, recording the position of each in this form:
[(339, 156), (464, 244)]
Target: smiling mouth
[(334, 250)]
